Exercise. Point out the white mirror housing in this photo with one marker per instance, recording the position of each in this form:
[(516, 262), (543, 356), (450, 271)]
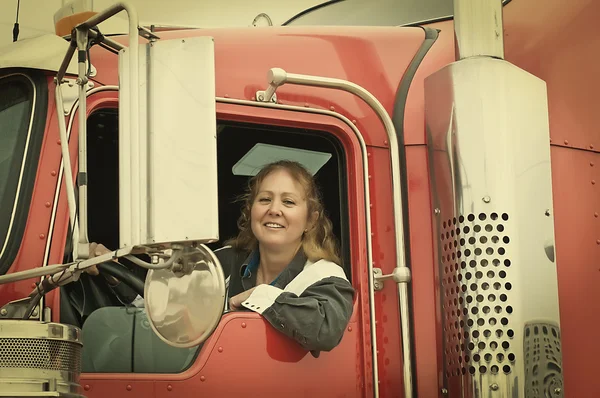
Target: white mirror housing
[(168, 174)]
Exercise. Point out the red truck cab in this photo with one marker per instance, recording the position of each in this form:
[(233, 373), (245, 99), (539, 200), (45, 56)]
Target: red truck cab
[(367, 196)]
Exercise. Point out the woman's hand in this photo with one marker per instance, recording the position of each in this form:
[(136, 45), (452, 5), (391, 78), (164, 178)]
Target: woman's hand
[(98, 249), (235, 303)]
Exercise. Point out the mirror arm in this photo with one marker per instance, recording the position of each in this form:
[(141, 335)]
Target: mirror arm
[(177, 254)]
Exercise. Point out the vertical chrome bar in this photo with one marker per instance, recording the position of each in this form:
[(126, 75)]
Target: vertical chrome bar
[(277, 75), (134, 132), (82, 42), (64, 146), (478, 28)]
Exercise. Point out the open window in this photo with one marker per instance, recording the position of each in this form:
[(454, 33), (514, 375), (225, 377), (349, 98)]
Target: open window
[(114, 329), (237, 141)]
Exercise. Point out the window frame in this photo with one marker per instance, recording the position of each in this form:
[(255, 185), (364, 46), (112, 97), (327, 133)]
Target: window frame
[(348, 158), (26, 178)]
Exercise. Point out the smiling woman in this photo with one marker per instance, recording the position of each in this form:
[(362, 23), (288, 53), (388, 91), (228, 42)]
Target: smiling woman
[(284, 261)]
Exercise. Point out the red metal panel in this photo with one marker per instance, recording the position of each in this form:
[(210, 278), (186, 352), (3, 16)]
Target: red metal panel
[(576, 179), (384, 257), (247, 356), (375, 58), (424, 284), (118, 388), (560, 45)]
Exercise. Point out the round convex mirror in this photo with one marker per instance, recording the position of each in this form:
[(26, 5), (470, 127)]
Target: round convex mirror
[(184, 303)]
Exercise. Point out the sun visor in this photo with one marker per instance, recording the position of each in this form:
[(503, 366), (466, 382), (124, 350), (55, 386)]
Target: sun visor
[(262, 154)]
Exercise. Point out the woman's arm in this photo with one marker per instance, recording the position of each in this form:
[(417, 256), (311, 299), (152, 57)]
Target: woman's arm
[(314, 309)]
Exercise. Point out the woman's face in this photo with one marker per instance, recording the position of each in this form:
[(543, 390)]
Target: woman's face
[(279, 214)]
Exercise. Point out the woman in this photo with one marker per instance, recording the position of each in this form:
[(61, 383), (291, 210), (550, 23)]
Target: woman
[(284, 261)]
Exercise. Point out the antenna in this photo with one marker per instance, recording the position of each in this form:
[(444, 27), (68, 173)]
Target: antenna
[(16, 27)]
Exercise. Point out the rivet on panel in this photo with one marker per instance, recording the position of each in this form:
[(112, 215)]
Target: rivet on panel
[(566, 142), (349, 328), (368, 154), (58, 142), (494, 387), (306, 104), (591, 146), (592, 164), (243, 324), (598, 242), (47, 204), (202, 378), (547, 213), (226, 95), (42, 236), (332, 108), (596, 215), (220, 349), (385, 142), (129, 388), (169, 387), (369, 176), (53, 173), (444, 391), (353, 121), (486, 199), (86, 387), (33, 285), (437, 212), (3, 311), (593, 182)]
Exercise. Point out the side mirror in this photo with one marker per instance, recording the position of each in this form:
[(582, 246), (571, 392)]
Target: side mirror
[(167, 144), (184, 303)]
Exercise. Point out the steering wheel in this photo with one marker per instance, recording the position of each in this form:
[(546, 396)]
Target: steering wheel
[(124, 275)]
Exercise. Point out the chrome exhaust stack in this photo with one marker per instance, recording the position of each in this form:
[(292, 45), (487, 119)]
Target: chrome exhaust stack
[(489, 152)]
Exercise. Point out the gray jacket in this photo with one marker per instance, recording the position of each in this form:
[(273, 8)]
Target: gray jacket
[(308, 302)]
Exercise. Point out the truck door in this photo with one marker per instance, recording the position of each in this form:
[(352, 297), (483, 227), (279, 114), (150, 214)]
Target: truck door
[(122, 353)]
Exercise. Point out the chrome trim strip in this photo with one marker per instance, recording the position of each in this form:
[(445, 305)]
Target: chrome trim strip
[(363, 148)]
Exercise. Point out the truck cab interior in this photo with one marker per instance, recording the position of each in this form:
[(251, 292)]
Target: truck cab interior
[(111, 324)]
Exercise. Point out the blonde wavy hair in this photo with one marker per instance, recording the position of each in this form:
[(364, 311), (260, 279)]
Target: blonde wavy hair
[(318, 242)]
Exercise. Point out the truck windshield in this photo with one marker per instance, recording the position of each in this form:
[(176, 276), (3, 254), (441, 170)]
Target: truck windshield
[(16, 107), (374, 12)]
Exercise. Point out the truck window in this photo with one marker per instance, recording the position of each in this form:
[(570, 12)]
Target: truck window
[(118, 338), (20, 138)]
